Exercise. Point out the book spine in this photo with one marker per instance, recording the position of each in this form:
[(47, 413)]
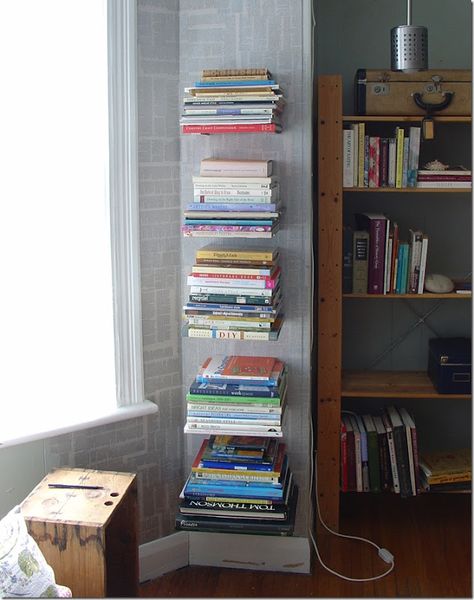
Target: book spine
[(256, 408), (234, 82), (253, 72), (355, 153), (384, 162), (374, 461), (268, 396), (444, 184), (416, 241), (347, 264), (230, 334), (376, 265), (234, 182), (232, 206), (344, 474), (235, 254), (351, 463), (200, 288), (360, 264), (392, 162), (348, 158), (406, 147), (424, 255), (232, 282), (273, 432), (361, 154), (232, 273), (384, 460), (411, 461), (248, 194), (392, 454), (247, 310), (236, 128), (231, 299), (400, 134), (403, 467), (414, 154), (372, 162), (229, 229), (444, 177)]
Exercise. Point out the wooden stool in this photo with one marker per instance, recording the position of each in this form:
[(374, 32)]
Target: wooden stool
[(87, 534)]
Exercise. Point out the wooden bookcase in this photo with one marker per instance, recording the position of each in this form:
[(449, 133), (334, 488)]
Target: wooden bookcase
[(333, 383)]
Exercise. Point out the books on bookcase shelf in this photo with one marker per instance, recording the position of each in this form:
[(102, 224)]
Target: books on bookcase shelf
[(374, 161), (242, 204), (235, 294), (233, 103), (380, 453), (382, 261)]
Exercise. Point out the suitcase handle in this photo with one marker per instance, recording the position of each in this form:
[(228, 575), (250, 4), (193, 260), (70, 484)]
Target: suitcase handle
[(428, 107)]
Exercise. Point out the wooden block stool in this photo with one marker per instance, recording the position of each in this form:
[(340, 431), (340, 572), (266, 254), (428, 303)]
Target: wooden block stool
[(87, 530)]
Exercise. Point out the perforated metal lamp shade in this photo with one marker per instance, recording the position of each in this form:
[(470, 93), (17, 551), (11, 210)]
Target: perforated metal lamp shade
[(409, 46)]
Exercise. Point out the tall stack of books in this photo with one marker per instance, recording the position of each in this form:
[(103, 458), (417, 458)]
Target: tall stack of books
[(233, 101), (445, 178), (380, 453), (233, 198), (235, 294), (380, 261), (238, 395), (239, 484)]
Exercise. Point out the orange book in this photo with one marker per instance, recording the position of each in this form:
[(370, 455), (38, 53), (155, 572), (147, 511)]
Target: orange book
[(242, 369)]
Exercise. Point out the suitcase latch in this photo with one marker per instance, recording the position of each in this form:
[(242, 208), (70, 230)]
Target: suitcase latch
[(435, 87)]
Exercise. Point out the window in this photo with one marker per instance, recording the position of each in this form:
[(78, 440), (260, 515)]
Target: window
[(69, 254)]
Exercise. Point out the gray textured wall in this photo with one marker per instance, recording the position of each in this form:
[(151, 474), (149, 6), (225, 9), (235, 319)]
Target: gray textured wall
[(272, 34)]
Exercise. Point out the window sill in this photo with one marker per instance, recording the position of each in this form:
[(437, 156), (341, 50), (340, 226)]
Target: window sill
[(119, 414)]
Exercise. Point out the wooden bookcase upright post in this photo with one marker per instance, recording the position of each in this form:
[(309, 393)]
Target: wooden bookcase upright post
[(329, 295)]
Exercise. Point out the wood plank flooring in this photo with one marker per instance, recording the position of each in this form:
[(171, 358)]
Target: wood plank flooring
[(430, 537)]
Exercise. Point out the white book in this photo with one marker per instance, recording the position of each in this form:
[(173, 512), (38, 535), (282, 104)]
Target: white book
[(424, 255), (209, 430), (227, 323), (227, 421), (253, 192), (223, 181), (229, 283), (416, 238), (230, 234), (348, 158), (444, 184), (236, 408), (392, 161), (207, 289)]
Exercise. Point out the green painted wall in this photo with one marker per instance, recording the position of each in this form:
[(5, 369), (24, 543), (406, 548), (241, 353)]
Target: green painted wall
[(356, 34)]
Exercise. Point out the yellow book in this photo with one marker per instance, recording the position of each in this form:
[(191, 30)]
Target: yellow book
[(234, 254), (455, 462), (399, 159)]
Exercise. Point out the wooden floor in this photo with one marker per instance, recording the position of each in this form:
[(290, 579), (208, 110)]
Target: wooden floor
[(430, 537)]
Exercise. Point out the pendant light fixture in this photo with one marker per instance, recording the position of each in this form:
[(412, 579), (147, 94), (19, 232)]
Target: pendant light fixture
[(409, 48)]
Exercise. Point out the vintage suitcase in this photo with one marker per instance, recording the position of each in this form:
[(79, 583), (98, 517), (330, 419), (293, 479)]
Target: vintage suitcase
[(449, 365), (444, 92)]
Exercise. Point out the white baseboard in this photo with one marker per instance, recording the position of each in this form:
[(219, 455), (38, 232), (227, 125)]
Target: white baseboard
[(262, 553), (163, 555)]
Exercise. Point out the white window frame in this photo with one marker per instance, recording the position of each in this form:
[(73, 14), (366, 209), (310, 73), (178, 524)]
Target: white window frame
[(124, 217)]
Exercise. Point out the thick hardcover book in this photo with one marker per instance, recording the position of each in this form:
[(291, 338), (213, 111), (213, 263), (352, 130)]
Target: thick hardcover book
[(384, 457), (241, 369), (219, 167), (376, 225), (232, 207), (364, 454), (351, 461), (344, 473), (283, 527), (243, 392), (235, 254), (358, 454), (348, 158), (412, 438), (243, 510), (360, 262), (373, 452), (401, 452), (391, 449), (236, 128), (236, 281), (347, 264)]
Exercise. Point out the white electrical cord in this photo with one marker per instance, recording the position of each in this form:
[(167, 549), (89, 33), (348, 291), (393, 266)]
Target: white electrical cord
[(382, 552)]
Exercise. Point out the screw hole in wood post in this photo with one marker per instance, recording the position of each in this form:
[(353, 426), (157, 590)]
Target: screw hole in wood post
[(114, 494), (108, 503)]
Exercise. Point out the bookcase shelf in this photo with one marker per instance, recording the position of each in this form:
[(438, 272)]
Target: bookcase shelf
[(385, 190), (335, 384), (429, 296), (392, 384)]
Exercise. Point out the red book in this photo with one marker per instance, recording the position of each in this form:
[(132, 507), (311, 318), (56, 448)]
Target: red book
[(234, 128), (376, 225), (259, 369)]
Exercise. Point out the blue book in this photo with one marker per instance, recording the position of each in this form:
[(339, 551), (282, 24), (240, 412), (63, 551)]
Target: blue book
[(240, 307), (235, 83), (234, 389), (269, 492)]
